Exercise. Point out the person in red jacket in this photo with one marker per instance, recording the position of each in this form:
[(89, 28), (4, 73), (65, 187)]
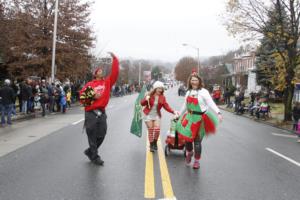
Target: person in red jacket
[(153, 102), (95, 116)]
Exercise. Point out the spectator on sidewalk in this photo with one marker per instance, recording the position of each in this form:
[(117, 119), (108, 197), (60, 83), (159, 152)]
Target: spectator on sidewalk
[(264, 108), (296, 117), (254, 107), (51, 97), (74, 93), (16, 89), (19, 94), (57, 95), (44, 97), (61, 99), (7, 97), (227, 97), (252, 97), (239, 98), (63, 102), (26, 93), (36, 98), (69, 95), (216, 94), (236, 100), (30, 102)]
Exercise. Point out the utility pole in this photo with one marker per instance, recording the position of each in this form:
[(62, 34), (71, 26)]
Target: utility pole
[(54, 43)]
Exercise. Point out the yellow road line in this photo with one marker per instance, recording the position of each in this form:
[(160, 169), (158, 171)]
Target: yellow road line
[(165, 177), (149, 175)]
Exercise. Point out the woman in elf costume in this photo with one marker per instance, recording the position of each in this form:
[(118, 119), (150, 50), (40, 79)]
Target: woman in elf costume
[(153, 102), (196, 120)]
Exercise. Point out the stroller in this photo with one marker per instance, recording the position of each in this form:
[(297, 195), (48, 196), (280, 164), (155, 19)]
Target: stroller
[(173, 141), (37, 102)]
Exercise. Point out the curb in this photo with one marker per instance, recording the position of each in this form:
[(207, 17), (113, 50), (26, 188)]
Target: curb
[(260, 121), (21, 117), (37, 114)]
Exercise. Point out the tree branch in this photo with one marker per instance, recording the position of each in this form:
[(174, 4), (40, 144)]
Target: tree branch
[(285, 5), (256, 10)]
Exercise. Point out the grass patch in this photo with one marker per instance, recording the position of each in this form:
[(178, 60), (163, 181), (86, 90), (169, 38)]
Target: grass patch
[(277, 108)]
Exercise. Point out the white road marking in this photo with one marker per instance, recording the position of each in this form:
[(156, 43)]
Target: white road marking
[(174, 198), (284, 135), (75, 123), (283, 156)]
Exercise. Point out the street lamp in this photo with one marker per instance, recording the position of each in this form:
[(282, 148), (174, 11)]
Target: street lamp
[(198, 61), (54, 42)]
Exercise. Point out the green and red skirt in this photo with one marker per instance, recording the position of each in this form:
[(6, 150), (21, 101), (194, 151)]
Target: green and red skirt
[(190, 125)]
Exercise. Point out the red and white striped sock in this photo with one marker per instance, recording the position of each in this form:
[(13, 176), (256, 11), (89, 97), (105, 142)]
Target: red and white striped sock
[(150, 134), (156, 133)]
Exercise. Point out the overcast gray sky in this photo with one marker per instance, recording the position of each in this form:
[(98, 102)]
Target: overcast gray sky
[(156, 29)]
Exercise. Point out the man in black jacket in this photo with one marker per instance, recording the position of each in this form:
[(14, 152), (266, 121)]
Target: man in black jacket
[(26, 94), (7, 96)]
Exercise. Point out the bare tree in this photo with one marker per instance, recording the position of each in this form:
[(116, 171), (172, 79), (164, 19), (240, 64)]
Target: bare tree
[(184, 68)]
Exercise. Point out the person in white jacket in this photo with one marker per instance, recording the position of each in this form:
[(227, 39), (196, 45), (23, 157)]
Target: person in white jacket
[(196, 119)]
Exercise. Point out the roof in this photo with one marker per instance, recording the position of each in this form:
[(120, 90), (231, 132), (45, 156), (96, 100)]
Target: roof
[(244, 55)]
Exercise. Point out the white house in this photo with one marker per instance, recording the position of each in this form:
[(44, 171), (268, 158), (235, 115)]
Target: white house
[(244, 76)]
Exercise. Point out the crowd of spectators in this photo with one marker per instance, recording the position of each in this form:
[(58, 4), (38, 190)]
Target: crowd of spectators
[(32, 95)]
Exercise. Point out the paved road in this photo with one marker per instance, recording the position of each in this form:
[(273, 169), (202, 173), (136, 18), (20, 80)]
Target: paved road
[(245, 160)]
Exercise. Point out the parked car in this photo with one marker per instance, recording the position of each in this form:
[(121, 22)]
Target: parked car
[(181, 90)]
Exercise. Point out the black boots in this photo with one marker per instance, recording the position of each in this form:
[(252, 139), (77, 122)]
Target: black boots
[(96, 161), (88, 153), (153, 146)]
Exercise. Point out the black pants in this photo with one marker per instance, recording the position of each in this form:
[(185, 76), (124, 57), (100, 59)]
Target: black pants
[(20, 103), (96, 128), (227, 100), (295, 124), (197, 147), (43, 102)]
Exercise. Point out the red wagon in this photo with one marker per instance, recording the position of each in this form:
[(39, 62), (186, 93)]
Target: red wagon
[(173, 142)]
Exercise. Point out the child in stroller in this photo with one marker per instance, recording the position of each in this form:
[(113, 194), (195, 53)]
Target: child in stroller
[(173, 141)]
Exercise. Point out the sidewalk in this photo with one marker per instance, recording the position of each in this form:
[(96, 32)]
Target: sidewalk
[(25, 132), (21, 116), (276, 119)]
